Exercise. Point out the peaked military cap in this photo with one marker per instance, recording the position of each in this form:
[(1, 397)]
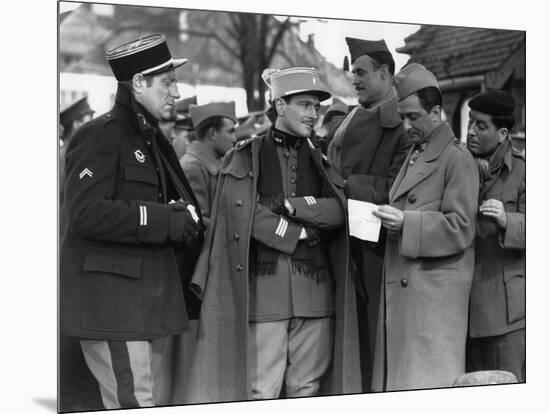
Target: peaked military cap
[(148, 55), (292, 81), (494, 102), (73, 111), (412, 78), (200, 113), (372, 48)]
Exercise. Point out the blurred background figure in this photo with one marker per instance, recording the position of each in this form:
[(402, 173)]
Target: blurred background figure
[(330, 118), (215, 132), (70, 118), (177, 129)]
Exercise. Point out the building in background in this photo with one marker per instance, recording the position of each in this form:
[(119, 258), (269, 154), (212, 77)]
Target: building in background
[(467, 61)]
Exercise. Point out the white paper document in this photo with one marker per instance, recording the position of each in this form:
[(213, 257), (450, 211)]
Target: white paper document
[(362, 223)]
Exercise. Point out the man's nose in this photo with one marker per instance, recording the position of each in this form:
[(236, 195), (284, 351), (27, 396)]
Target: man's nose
[(175, 92)]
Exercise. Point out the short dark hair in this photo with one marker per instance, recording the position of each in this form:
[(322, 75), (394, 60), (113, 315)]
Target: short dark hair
[(383, 58), (503, 121), (429, 97), (128, 83), (215, 122)]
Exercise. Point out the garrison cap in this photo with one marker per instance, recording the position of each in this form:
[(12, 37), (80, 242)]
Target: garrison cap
[(74, 111), (200, 113), (183, 122), (494, 102), (371, 48), (412, 78), (182, 106), (292, 81), (148, 55)]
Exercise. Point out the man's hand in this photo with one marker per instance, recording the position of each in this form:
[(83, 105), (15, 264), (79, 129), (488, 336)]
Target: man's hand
[(182, 226), (495, 209), (274, 203), (392, 218)]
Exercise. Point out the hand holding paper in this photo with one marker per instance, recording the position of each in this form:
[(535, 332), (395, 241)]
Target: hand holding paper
[(363, 224)]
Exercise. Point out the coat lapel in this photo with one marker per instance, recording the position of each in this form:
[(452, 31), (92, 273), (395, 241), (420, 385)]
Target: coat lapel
[(424, 166)]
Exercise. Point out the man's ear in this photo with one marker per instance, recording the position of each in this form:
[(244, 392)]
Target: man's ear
[(279, 106), (138, 82), (502, 134), (384, 71), (436, 113)]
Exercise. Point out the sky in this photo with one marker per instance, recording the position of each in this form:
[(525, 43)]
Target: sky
[(329, 35)]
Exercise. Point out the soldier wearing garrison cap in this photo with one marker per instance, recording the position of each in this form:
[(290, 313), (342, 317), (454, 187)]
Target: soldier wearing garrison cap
[(368, 146), (497, 301), (428, 265), (133, 233), (274, 259), (215, 132)]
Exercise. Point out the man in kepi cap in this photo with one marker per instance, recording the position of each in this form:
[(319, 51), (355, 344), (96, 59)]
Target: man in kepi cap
[(215, 131), (368, 147), (497, 301), (274, 258), (130, 213), (428, 266)]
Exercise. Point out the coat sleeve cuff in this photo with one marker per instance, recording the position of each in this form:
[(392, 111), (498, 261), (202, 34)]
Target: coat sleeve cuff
[(514, 235), (411, 234), (152, 226)]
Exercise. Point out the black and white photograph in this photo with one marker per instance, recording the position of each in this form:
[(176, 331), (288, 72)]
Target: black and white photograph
[(283, 207)]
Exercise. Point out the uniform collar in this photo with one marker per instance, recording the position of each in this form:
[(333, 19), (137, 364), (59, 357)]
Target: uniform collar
[(141, 117), (284, 139)]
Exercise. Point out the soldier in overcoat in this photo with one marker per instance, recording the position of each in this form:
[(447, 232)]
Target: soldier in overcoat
[(126, 247), (368, 147), (428, 265), (497, 301), (289, 303)]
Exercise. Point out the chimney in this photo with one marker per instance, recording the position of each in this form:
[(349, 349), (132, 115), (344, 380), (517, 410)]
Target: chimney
[(311, 40)]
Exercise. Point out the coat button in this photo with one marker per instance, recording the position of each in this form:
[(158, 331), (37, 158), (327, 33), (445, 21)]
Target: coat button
[(148, 143), (250, 174), (293, 180), (236, 236), (293, 194), (239, 203), (412, 198), (239, 268), (293, 167), (404, 282), (286, 154)]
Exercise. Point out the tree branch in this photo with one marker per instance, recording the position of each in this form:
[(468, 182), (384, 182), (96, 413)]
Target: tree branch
[(215, 36), (276, 39)]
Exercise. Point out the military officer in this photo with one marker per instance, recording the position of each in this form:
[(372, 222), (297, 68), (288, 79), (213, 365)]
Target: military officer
[(497, 301), (131, 213)]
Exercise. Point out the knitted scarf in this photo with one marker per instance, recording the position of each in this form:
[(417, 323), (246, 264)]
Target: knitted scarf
[(489, 167), (306, 260)]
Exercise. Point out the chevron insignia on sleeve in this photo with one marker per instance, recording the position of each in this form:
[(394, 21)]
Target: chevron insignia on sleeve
[(85, 172), (281, 227)]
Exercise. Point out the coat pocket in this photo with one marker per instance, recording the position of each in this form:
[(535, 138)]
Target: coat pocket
[(139, 173), (113, 300), (514, 282), (129, 266)]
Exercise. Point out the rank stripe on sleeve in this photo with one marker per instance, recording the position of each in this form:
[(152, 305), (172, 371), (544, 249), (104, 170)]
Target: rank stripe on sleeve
[(281, 228), (143, 215)]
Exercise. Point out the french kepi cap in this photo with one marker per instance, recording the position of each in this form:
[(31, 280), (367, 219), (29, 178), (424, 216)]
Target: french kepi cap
[(494, 102), (148, 55), (74, 111), (412, 78), (292, 81), (372, 48), (200, 113)]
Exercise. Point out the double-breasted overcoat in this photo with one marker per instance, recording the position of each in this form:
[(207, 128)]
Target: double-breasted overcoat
[(428, 269), (219, 369)]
